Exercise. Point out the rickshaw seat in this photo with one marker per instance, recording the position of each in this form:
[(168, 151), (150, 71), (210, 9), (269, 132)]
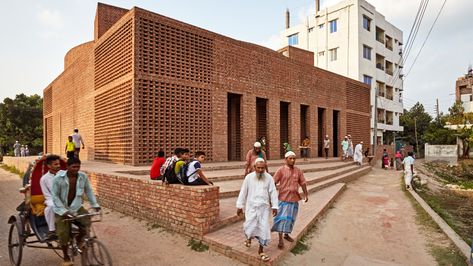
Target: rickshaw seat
[(37, 205)]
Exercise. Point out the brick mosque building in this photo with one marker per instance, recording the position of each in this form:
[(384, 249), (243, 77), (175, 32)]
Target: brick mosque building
[(148, 82)]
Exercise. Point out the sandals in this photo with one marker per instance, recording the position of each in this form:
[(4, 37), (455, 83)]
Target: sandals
[(248, 243), (281, 245), (264, 257)]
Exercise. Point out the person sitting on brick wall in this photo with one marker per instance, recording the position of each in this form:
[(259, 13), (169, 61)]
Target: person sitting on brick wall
[(194, 171), (155, 172), (252, 155), (183, 156)]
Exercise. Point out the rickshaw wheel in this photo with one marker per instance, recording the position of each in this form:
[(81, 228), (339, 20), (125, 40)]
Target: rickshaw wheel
[(96, 254), (15, 244)]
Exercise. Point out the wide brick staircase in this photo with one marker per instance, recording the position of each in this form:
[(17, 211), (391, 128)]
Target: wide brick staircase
[(325, 181)]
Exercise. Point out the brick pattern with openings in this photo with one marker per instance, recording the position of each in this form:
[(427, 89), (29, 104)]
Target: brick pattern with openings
[(49, 134), (172, 115), (48, 101), (357, 98), (113, 124), (170, 51), (113, 57)]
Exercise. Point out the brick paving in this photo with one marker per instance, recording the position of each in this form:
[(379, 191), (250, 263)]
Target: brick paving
[(229, 240)]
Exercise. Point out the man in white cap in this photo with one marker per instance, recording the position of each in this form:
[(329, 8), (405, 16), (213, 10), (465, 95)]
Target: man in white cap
[(252, 155), (358, 155), (288, 178), (258, 196)]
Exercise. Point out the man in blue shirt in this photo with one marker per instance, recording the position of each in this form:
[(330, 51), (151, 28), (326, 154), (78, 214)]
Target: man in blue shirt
[(68, 189)]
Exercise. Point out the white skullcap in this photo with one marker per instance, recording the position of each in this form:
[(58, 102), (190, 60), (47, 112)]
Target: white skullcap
[(259, 160), (257, 145), (289, 153)]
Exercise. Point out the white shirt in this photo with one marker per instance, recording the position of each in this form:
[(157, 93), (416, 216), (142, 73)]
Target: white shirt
[(255, 193), (77, 139), (192, 170), (46, 183), (408, 161)]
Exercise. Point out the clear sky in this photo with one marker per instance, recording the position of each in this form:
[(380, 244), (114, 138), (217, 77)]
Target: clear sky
[(37, 34)]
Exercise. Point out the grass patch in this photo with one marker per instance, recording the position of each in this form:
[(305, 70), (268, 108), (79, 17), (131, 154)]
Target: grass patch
[(198, 246), (152, 226), (12, 169), (443, 254), (448, 256), (302, 245)]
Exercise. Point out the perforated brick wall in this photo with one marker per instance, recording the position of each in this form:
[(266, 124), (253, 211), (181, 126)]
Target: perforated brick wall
[(113, 124), (113, 57)]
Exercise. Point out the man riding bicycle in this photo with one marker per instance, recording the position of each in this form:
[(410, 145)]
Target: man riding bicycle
[(68, 189)]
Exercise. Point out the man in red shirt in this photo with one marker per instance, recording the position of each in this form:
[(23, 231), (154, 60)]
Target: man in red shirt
[(288, 178), (155, 168), (251, 157)]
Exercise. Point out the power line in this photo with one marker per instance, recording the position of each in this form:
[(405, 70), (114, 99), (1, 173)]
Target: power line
[(426, 38)]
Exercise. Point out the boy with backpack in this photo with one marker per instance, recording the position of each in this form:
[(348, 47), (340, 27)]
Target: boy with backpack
[(193, 171), (167, 169)]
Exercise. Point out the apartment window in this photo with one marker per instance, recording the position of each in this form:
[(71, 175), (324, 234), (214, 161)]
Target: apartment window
[(322, 53), (333, 26), (367, 79), (311, 29), (366, 23), (366, 52), (333, 54), (321, 26), (293, 39)]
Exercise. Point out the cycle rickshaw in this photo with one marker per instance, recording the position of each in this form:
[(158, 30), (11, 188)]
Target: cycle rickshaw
[(28, 228)]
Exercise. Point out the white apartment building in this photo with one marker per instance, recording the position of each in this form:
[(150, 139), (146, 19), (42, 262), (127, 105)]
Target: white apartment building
[(354, 40)]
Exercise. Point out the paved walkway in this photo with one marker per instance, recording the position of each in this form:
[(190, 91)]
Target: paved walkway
[(372, 223)]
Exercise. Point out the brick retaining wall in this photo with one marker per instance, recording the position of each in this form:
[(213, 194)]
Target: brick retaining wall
[(184, 209)]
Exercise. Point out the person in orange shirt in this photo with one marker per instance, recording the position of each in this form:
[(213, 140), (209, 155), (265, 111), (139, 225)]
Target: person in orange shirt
[(288, 178)]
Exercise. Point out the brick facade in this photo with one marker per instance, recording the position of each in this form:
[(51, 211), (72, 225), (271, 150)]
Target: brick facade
[(148, 82)]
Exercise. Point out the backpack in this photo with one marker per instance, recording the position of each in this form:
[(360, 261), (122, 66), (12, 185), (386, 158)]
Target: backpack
[(183, 176), (169, 175)]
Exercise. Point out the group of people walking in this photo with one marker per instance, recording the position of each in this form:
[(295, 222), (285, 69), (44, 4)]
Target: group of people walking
[(262, 195), (349, 153), (73, 144), (20, 150)]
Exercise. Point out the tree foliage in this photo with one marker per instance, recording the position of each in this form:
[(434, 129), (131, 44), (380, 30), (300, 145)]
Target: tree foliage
[(22, 119), (415, 117)]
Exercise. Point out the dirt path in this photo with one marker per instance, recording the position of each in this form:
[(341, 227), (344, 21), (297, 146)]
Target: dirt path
[(129, 241), (372, 223)]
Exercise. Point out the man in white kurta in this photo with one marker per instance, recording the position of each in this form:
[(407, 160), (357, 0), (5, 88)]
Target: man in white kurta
[(408, 166), (358, 155), (258, 195), (46, 182)]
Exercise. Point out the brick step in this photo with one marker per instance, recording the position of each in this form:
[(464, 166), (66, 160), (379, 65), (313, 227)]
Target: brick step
[(225, 175), (229, 240), (231, 188), (241, 164), (227, 205)]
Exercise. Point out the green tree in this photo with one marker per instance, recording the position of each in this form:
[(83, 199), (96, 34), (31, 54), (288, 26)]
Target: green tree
[(414, 118), (437, 134), (22, 119)]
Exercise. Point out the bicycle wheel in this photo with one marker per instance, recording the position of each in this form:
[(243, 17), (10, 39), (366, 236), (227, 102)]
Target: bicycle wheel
[(15, 244), (95, 254)]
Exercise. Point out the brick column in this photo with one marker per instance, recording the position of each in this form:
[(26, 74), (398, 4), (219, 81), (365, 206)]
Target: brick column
[(313, 130), (329, 126), (219, 125), (273, 128), (295, 127), (248, 123)]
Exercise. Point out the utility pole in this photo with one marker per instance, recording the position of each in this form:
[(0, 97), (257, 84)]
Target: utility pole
[(415, 132), (375, 118)]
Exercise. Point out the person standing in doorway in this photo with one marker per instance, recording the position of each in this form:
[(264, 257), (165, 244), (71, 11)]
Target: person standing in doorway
[(408, 167), (252, 155), (305, 148), (326, 146), (288, 178), (258, 196), (77, 139)]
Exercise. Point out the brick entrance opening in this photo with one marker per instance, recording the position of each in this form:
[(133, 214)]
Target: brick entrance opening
[(336, 134), (304, 122), (284, 125), (234, 126), (262, 120), (321, 130)]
